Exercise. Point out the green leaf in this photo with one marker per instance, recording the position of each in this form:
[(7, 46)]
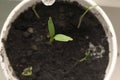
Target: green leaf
[(51, 27), (62, 37), (27, 71)]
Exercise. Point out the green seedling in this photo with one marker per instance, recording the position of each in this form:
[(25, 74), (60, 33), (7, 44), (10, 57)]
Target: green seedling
[(57, 37), (27, 71), (87, 54), (82, 16), (35, 12)]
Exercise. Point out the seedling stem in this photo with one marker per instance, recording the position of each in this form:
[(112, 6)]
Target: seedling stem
[(35, 12), (81, 17), (87, 54)]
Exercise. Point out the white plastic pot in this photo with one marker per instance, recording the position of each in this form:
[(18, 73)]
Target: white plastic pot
[(109, 3), (98, 12)]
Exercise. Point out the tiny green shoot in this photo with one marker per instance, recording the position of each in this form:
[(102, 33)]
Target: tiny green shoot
[(27, 71), (57, 37), (87, 54), (35, 12), (82, 16)]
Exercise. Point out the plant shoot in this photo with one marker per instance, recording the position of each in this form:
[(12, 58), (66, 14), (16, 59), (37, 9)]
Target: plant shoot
[(82, 16), (57, 37), (27, 71)]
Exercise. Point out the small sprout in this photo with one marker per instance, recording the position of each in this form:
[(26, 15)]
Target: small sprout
[(57, 37), (27, 71), (81, 17), (35, 12), (87, 54)]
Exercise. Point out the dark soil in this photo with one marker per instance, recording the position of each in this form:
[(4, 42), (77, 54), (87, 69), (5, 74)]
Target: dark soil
[(28, 44)]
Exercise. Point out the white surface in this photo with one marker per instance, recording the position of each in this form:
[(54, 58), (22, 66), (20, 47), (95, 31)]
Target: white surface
[(1, 74), (114, 15), (109, 3), (6, 6)]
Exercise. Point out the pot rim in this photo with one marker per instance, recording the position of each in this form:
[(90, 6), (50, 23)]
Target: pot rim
[(16, 11)]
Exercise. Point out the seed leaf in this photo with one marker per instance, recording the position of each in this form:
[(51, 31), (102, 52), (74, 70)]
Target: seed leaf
[(51, 28), (27, 71), (62, 37)]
